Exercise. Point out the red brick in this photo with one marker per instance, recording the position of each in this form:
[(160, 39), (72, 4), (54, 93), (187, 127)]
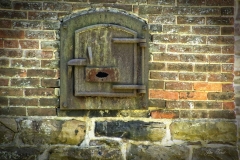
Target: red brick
[(50, 64), (206, 49), (162, 114), (13, 14), (50, 45), (50, 83), (49, 102), (4, 82), (237, 73), (27, 6), (227, 87), (192, 77), (227, 68), (227, 31), (192, 39), (15, 53), (42, 73), (25, 82), (39, 92), (11, 72), (27, 24), (18, 34), (228, 49), (193, 58), (204, 86), (29, 44), (5, 23), (220, 21), (190, 20), (11, 44), (11, 92), (177, 10), (25, 63), (180, 48), (191, 2), (13, 111), (193, 114), (42, 15), (193, 95), (179, 67), (3, 102), (206, 30), (23, 102), (178, 86), (207, 68), (229, 105), (165, 38), (166, 57), (226, 114), (220, 40), (224, 77), (47, 54), (221, 58), (41, 111), (163, 75), (160, 19), (164, 94)]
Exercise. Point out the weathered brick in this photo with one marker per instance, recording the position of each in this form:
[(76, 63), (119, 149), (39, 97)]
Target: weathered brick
[(227, 87), (220, 95), (42, 73), (41, 111), (156, 66), (162, 2), (207, 68), (165, 114), (179, 104), (166, 57), (227, 31), (204, 86), (228, 49), (10, 44), (50, 82), (4, 62), (206, 30), (50, 44), (227, 68), (226, 114), (206, 49), (27, 24), (178, 86), (192, 77), (190, 20), (220, 40), (49, 102), (161, 94), (193, 95), (3, 102), (191, 2), (207, 105), (40, 35), (1, 43), (39, 92), (193, 114), (227, 11), (229, 105), (23, 102), (11, 92), (51, 25), (151, 131), (155, 28), (103, 1), (162, 19), (156, 84), (56, 6), (11, 72), (157, 103), (220, 21), (42, 15), (5, 4), (153, 47), (163, 75), (145, 9), (193, 58), (112, 5), (224, 77), (16, 53), (176, 29), (4, 82), (50, 64), (179, 48), (220, 3), (165, 38), (29, 44), (25, 82), (176, 10), (205, 11), (25, 63), (179, 67), (27, 5), (5, 23), (236, 29), (13, 111), (192, 39), (13, 14)]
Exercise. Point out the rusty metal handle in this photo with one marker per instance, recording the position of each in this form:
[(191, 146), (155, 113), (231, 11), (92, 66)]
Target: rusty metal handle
[(90, 55)]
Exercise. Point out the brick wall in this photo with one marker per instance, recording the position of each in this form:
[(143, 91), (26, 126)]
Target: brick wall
[(191, 73)]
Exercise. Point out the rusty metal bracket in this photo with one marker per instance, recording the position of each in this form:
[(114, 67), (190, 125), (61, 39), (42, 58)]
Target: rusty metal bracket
[(75, 62)]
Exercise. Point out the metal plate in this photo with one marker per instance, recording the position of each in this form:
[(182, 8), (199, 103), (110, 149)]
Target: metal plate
[(102, 75)]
